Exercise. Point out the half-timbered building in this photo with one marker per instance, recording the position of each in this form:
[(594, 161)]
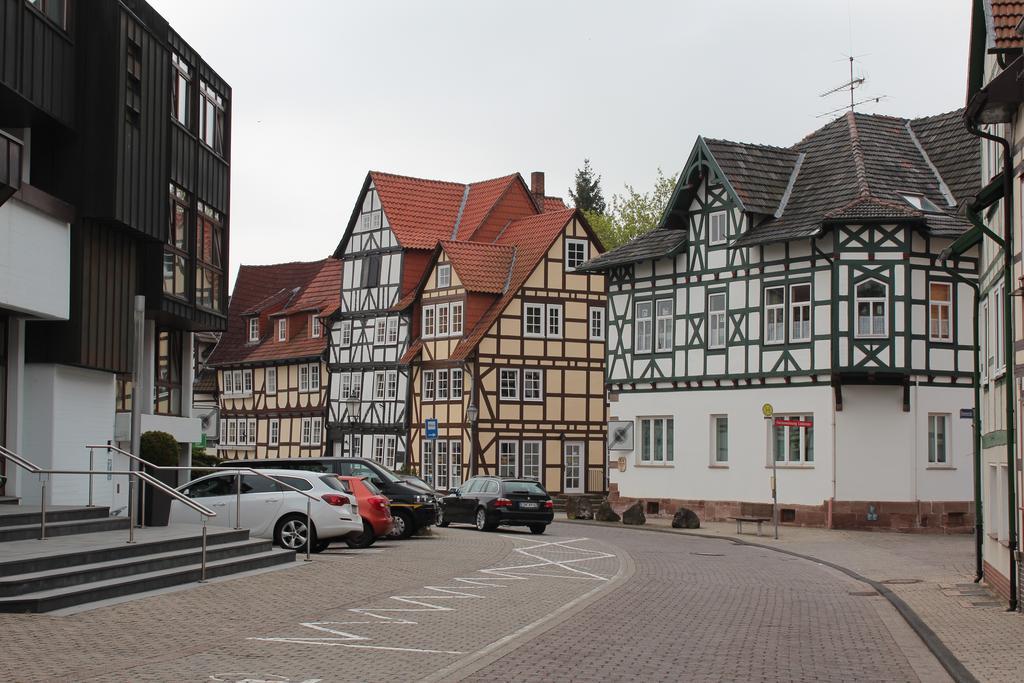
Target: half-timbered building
[(508, 357), (271, 362), (804, 279)]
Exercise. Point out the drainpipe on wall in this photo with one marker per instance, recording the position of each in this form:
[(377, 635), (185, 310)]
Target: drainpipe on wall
[(1008, 328)]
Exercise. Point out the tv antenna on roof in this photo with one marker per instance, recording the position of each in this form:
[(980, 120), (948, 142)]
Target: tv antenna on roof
[(852, 84)]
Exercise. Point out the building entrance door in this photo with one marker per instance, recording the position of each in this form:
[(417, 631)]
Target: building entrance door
[(572, 460)]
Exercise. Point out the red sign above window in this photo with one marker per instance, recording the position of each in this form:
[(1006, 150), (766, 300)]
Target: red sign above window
[(783, 422)]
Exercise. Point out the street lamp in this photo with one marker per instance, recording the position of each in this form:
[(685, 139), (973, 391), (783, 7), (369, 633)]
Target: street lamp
[(472, 413), (352, 406)]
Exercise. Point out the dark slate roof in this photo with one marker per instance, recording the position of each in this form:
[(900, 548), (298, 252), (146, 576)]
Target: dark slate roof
[(654, 244), (760, 174), (946, 139)]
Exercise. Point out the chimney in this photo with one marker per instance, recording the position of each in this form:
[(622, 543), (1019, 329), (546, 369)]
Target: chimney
[(537, 187)]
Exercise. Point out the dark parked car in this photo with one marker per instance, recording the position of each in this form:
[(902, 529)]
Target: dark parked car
[(490, 502), (412, 508)]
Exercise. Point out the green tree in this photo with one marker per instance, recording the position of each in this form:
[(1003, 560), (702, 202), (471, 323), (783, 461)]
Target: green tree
[(633, 213), (587, 196)]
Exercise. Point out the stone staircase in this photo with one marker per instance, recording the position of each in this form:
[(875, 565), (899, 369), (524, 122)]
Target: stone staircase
[(86, 558), (595, 499)]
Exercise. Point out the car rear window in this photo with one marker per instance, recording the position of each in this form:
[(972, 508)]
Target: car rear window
[(529, 487), (335, 483), (371, 486), (300, 484)]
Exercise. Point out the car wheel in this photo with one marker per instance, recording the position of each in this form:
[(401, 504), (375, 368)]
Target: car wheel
[(538, 528), (363, 540), (321, 546), (441, 521), (292, 533), (481, 521), (402, 525)]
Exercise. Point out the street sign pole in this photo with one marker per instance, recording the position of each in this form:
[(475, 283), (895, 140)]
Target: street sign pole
[(775, 471)]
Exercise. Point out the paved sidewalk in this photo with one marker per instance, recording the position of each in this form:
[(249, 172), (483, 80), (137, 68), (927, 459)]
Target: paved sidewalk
[(932, 573)]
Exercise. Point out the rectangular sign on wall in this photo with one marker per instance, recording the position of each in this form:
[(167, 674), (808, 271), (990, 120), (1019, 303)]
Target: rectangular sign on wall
[(620, 435), (431, 427)]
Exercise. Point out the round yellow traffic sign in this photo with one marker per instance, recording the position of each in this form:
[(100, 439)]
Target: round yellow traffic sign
[(767, 410)]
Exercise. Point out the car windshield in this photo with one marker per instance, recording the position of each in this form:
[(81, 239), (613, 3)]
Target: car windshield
[(529, 487), (335, 483), (417, 482)]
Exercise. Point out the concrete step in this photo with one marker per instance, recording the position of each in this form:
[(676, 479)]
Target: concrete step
[(60, 598), (78, 526), (9, 500), (22, 516), (36, 581)]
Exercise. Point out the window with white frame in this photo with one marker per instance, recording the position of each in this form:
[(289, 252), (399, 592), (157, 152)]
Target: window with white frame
[(379, 385), (456, 383), (271, 381), (344, 385), (392, 386), (531, 460), (533, 320), (252, 431), (940, 306), (306, 434), (596, 323), (427, 461), (314, 377), (509, 384), (719, 439), (554, 321), (282, 329), (441, 469), (774, 315), (231, 432), (353, 447), (428, 321), (656, 440), (378, 449), (575, 253), (793, 444), (533, 385), (314, 326), (242, 433), (938, 438), (508, 458), (983, 343), (254, 329), (318, 427), (303, 378), (380, 331), (997, 314), (644, 324), (716, 320), (442, 320), (357, 385), (663, 325), (455, 471), (441, 390), (246, 381), (457, 317), (444, 275), (718, 228), (800, 313), (390, 450), (872, 309), (346, 334), (228, 382), (392, 330), (274, 435), (428, 385)]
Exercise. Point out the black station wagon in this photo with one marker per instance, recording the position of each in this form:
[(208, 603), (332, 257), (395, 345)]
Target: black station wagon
[(490, 502)]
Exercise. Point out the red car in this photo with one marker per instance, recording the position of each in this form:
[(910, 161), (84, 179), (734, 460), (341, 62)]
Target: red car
[(374, 508)]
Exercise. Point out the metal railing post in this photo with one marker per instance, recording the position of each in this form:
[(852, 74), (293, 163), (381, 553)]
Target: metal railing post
[(142, 501), (91, 468), (309, 531), (202, 570), (42, 507), (238, 499), (131, 508)]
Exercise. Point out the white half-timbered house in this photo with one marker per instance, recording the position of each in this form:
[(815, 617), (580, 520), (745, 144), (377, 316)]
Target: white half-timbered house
[(805, 278)]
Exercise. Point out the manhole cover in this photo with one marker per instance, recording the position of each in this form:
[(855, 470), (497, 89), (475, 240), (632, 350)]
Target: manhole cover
[(710, 554), (863, 594), (900, 582)]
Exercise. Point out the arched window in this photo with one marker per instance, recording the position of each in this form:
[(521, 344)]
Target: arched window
[(872, 309)]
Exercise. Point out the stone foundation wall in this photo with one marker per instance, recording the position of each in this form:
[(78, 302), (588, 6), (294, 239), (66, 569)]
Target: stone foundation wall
[(996, 579), (911, 516)]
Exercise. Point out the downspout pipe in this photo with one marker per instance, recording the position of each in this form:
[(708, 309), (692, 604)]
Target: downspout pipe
[(1008, 328)]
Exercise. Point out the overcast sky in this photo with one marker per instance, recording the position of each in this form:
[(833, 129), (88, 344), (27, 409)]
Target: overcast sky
[(325, 90)]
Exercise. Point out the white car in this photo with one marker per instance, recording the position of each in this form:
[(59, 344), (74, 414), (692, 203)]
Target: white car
[(272, 511)]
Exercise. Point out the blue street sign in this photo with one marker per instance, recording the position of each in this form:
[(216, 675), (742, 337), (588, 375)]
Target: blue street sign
[(967, 413), (431, 426)]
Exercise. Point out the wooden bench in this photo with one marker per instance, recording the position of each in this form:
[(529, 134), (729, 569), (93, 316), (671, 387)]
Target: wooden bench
[(757, 520)]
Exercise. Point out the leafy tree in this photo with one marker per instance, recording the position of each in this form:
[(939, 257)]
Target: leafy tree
[(633, 213), (588, 197)]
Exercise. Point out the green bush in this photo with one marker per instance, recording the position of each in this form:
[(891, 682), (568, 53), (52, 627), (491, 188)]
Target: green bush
[(159, 448)]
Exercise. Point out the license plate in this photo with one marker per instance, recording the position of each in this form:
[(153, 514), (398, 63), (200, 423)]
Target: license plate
[(529, 506)]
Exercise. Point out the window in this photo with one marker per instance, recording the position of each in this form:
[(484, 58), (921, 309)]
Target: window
[(427, 461), (252, 431), (209, 258), (390, 449), (168, 372), (428, 385), (211, 117), (271, 381), (55, 10), (442, 385), (921, 203), (303, 378), (441, 472), (998, 342), (181, 86), (314, 377), (392, 388), (533, 320), (940, 300), (176, 250), (457, 318), (455, 471), (357, 385), (379, 385), (228, 382), (314, 326), (554, 321), (720, 439), (985, 343), (663, 337), (644, 325), (242, 438), (282, 330), (575, 253), (774, 315), (246, 381), (392, 330), (346, 334), (344, 386), (793, 444), (596, 323), (254, 329), (531, 460), (508, 458), (444, 275), (872, 309), (800, 313), (656, 440), (716, 321), (307, 431), (380, 326), (533, 385), (456, 384), (509, 384), (275, 433), (133, 67), (718, 229), (938, 438), (442, 320), (428, 321), (231, 432), (318, 426), (370, 273)]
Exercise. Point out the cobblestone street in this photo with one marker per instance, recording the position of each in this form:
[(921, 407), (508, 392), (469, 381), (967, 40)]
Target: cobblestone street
[(580, 603)]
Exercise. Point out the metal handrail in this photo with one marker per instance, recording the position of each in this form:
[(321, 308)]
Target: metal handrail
[(238, 486)]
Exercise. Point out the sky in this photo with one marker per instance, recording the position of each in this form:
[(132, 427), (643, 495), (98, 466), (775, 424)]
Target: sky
[(464, 90)]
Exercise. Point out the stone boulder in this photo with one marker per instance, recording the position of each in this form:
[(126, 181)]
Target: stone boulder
[(685, 519), (582, 507), (605, 513), (634, 514)]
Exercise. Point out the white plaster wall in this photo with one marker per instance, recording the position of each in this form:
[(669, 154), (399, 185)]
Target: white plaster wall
[(35, 262)]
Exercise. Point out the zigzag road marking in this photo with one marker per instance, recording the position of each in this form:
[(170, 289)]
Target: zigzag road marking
[(496, 577)]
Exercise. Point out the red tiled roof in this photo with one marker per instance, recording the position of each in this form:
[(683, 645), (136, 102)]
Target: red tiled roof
[(553, 204), (411, 352), (421, 212), (312, 286), (480, 202), (481, 267), (1006, 14)]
